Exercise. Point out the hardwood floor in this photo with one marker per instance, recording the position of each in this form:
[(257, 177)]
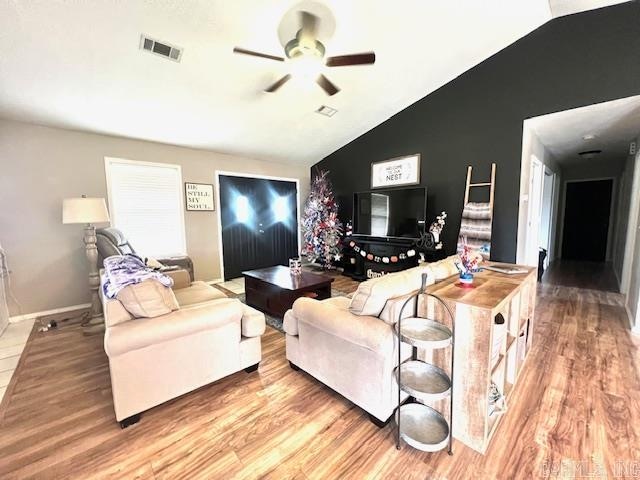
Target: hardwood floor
[(575, 411), (592, 275)]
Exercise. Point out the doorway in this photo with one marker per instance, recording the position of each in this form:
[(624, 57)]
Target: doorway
[(546, 216), (536, 178), (259, 222), (585, 231)]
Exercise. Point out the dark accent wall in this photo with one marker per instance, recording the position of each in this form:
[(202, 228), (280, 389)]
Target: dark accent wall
[(477, 118)]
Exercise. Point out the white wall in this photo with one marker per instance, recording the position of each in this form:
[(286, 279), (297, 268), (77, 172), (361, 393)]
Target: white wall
[(630, 261), (532, 146), (622, 217), (39, 166), (633, 297)]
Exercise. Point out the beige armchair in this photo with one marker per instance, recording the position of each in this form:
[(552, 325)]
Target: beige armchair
[(152, 360), (349, 344)]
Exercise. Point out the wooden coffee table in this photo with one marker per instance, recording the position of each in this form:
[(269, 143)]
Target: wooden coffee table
[(273, 290)]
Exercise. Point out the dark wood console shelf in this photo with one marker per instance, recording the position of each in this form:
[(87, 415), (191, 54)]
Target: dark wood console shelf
[(359, 268)]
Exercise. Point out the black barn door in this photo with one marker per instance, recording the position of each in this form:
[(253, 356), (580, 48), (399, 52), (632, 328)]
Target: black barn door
[(586, 220), (259, 223)]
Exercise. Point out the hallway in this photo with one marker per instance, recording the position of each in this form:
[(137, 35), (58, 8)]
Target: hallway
[(588, 275)]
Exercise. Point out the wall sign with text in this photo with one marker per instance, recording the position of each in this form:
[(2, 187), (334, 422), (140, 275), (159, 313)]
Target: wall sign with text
[(395, 172), (199, 196)]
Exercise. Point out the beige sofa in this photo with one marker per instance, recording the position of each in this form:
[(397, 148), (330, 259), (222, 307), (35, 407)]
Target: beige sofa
[(349, 344), (152, 360)]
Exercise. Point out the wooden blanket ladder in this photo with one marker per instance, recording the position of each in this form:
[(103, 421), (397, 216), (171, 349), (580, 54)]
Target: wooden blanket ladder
[(491, 184)]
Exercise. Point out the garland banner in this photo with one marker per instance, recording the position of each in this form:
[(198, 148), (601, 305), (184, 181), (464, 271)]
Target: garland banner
[(400, 256)]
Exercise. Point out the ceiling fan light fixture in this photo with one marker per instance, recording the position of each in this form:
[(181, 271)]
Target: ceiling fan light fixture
[(590, 154), (306, 66), (298, 46), (306, 60)]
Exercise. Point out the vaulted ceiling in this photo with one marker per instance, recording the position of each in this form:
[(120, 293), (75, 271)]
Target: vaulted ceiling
[(78, 65)]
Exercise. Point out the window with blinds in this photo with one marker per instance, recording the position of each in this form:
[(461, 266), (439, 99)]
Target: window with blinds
[(145, 203), (379, 215)]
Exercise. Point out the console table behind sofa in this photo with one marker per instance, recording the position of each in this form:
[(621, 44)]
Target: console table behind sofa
[(485, 350)]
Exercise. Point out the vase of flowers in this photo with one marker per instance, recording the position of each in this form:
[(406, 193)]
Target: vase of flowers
[(436, 229), (468, 264)]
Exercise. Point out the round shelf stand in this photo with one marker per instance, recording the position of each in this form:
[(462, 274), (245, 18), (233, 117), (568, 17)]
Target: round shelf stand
[(419, 425)]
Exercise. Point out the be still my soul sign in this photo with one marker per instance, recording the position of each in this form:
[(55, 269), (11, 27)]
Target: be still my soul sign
[(199, 196)]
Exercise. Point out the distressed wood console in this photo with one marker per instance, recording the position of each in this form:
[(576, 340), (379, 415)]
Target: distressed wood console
[(485, 351)]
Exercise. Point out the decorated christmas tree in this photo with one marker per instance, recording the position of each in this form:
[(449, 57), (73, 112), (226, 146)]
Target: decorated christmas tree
[(321, 227)]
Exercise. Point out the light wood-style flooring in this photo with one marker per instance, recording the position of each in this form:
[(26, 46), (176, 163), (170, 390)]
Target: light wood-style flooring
[(575, 411), (591, 275)]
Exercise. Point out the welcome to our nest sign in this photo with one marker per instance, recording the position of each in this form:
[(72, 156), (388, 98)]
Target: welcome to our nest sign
[(199, 197), (396, 172)]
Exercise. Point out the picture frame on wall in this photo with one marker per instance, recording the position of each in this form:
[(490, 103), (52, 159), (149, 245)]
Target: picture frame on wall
[(396, 172), (199, 197)]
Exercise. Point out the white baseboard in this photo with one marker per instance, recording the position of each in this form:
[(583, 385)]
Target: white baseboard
[(29, 316), (635, 329), (615, 272)]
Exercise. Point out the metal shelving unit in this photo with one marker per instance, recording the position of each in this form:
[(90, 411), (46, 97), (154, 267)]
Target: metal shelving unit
[(419, 425)]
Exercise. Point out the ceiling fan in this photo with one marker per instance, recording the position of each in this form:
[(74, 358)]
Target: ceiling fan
[(306, 54)]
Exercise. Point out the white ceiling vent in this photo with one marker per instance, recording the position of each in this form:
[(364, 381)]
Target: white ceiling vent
[(326, 111), (160, 48)]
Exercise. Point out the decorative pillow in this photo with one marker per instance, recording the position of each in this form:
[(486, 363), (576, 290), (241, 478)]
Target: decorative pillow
[(444, 268), (148, 299), (372, 295)]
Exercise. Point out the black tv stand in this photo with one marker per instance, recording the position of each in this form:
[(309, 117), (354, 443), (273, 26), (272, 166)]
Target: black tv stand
[(360, 268)]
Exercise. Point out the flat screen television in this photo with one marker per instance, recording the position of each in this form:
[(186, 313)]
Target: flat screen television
[(397, 213)]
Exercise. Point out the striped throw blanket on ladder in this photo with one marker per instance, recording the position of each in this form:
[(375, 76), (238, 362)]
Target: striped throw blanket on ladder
[(475, 228)]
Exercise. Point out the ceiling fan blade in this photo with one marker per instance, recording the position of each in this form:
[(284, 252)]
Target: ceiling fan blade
[(257, 54), (327, 85), (353, 59), (278, 84)]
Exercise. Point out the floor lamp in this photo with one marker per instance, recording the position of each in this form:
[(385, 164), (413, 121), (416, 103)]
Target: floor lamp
[(89, 211)]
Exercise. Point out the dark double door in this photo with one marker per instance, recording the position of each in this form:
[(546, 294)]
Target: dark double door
[(259, 223), (586, 220)]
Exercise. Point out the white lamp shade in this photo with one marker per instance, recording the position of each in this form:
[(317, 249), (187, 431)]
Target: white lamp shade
[(84, 210)]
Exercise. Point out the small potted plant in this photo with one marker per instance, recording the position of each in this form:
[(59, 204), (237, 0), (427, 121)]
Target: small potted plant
[(468, 264)]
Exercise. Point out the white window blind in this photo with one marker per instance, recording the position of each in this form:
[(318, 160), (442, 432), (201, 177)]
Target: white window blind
[(145, 202), (379, 215)]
